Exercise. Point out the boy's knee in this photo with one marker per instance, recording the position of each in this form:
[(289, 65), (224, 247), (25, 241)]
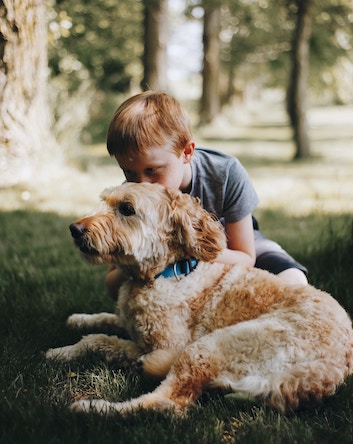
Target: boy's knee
[(294, 276)]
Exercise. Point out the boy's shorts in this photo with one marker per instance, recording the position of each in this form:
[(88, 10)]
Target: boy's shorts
[(271, 257)]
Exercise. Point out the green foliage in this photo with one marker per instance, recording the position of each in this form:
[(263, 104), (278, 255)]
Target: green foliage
[(43, 280), (94, 55), (257, 39), (103, 37)]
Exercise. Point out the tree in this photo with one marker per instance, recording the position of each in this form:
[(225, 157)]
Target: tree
[(331, 50), (25, 136), (210, 99), (103, 38), (298, 82), (155, 47), (95, 51), (257, 46)]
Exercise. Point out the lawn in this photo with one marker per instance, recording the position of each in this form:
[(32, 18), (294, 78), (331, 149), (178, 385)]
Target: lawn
[(306, 206)]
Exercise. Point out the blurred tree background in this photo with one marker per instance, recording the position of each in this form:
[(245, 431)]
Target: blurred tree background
[(251, 48), (231, 51), (95, 57)]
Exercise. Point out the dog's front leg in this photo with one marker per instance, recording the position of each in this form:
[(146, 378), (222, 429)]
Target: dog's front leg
[(112, 348), (104, 322)]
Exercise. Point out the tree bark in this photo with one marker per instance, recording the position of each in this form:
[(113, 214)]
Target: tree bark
[(25, 136), (210, 99), (155, 45), (298, 83)]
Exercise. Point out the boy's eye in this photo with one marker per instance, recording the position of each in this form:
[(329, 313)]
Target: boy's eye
[(126, 209)]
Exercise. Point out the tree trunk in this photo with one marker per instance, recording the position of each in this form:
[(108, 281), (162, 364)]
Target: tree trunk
[(298, 83), (155, 45), (210, 100), (25, 136)]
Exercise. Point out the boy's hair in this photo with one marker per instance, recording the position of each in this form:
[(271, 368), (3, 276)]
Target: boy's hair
[(149, 119)]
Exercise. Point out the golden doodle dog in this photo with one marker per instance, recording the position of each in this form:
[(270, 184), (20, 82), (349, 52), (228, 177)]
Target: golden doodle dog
[(200, 324)]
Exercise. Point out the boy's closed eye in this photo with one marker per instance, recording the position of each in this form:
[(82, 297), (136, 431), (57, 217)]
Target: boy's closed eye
[(151, 173)]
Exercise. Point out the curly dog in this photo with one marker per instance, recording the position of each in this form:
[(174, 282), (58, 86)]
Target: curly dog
[(200, 324)]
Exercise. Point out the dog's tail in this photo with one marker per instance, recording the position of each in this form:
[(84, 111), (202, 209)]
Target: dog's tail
[(158, 362)]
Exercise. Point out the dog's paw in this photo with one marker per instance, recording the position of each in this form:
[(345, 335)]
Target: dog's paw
[(62, 354), (78, 320), (90, 406)]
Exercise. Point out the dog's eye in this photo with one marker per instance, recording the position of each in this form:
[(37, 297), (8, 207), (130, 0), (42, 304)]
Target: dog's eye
[(126, 209)]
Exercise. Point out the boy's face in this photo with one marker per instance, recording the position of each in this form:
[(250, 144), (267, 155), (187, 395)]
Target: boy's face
[(160, 165)]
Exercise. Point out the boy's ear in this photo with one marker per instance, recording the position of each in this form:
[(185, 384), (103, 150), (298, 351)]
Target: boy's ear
[(188, 151), (197, 230)]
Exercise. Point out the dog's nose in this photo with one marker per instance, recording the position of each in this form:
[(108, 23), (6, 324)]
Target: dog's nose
[(77, 230)]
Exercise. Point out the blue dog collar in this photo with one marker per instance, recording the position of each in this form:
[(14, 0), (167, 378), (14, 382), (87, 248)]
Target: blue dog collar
[(185, 267)]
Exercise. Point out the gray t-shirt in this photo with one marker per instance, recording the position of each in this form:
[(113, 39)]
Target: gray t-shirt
[(222, 184)]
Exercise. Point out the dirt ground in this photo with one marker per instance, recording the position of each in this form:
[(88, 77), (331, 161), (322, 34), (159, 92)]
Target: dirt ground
[(261, 139)]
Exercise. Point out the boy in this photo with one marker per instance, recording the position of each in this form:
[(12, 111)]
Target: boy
[(151, 140)]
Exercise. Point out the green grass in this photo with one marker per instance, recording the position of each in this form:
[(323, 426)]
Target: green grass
[(43, 280)]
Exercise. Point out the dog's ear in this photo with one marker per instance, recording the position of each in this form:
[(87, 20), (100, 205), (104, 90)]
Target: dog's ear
[(197, 230)]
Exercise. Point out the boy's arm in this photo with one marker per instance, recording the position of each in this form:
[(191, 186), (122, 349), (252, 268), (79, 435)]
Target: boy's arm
[(241, 244), (114, 278)]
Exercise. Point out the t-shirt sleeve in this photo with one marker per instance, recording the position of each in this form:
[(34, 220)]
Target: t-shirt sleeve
[(240, 198)]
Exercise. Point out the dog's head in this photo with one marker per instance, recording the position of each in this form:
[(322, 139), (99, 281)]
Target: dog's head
[(145, 227)]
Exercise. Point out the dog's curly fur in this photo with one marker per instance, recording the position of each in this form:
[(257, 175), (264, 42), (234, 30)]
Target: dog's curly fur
[(230, 327)]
